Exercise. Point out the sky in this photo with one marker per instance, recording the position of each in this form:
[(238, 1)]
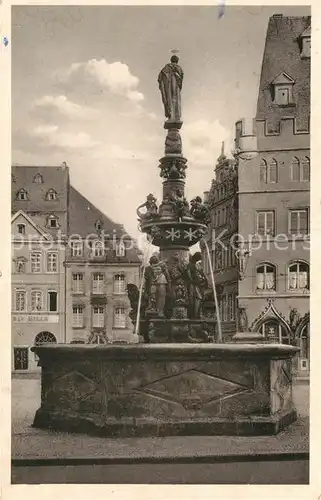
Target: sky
[(85, 92)]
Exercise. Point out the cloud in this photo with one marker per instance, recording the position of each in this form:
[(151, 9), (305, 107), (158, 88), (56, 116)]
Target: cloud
[(202, 141), (115, 77), (66, 107), (65, 140)]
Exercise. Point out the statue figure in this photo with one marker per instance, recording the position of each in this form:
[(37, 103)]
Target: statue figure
[(199, 210), (241, 254), (173, 142), (157, 283), (197, 285), (179, 282), (20, 265), (180, 204), (243, 322), (294, 318), (133, 296), (151, 208), (170, 81)]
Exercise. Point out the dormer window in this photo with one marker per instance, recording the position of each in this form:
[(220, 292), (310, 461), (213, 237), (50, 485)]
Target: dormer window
[(38, 179), (98, 225), (305, 44), (282, 90), (22, 195), (13, 179), (52, 222), (51, 195), (120, 249), (21, 228)]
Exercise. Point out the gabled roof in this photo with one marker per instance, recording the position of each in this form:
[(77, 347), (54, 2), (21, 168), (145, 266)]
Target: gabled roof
[(56, 178), (282, 54), (83, 216), (38, 229), (282, 78)]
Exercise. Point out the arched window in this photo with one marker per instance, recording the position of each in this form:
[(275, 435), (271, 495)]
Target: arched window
[(304, 342), (119, 283), (295, 169), (305, 171), (98, 249), (45, 338), (298, 276), (272, 174), (38, 179), (265, 277), (51, 195), (98, 225), (22, 195), (263, 171), (120, 249)]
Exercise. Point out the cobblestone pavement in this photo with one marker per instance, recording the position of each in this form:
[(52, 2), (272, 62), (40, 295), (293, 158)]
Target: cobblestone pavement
[(36, 443)]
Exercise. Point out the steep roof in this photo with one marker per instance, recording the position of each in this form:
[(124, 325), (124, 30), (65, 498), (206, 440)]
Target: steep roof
[(83, 216), (282, 55), (56, 178)]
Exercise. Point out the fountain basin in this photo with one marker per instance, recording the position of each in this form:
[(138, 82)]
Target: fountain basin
[(166, 389)]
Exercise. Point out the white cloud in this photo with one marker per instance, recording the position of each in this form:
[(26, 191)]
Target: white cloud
[(202, 141), (66, 107), (65, 140), (115, 77)]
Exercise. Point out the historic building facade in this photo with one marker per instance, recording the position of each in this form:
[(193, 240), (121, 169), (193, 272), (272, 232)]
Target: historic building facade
[(38, 290), (100, 262), (70, 267), (39, 229), (272, 157)]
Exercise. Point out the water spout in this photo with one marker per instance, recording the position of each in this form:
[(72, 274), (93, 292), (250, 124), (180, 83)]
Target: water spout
[(219, 332), (150, 242)]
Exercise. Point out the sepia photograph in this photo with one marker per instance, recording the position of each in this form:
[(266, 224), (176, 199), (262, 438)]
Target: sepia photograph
[(160, 244)]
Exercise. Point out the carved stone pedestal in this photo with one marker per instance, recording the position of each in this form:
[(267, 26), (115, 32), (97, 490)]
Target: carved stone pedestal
[(166, 389)]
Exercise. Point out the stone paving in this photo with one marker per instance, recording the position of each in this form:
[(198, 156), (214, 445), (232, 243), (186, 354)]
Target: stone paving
[(28, 442)]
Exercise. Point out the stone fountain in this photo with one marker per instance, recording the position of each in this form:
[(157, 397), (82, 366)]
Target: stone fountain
[(179, 381)]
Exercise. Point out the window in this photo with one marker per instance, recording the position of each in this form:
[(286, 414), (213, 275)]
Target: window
[(36, 301), (45, 338), (13, 179), (52, 222), (51, 195), (305, 170), (78, 283), (269, 172), (265, 223), (300, 171), (38, 179), (272, 173), (52, 262), (22, 195), (20, 301), (36, 262), (98, 249), (52, 301), (120, 249), (298, 222), (119, 283), (120, 317), (98, 225), (295, 170), (305, 40), (282, 88), (76, 248), (265, 277), (21, 358), (98, 283), (78, 316), (298, 276), (304, 343), (98, 317), (263, 171), (230, 307), (21, 228)]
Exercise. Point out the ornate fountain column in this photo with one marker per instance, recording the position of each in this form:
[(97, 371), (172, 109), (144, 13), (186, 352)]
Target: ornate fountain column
[(174, 226)]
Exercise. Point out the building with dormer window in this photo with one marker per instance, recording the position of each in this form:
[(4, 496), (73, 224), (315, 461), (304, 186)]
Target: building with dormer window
[(38, 291), (270, 277), (101, 260)]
